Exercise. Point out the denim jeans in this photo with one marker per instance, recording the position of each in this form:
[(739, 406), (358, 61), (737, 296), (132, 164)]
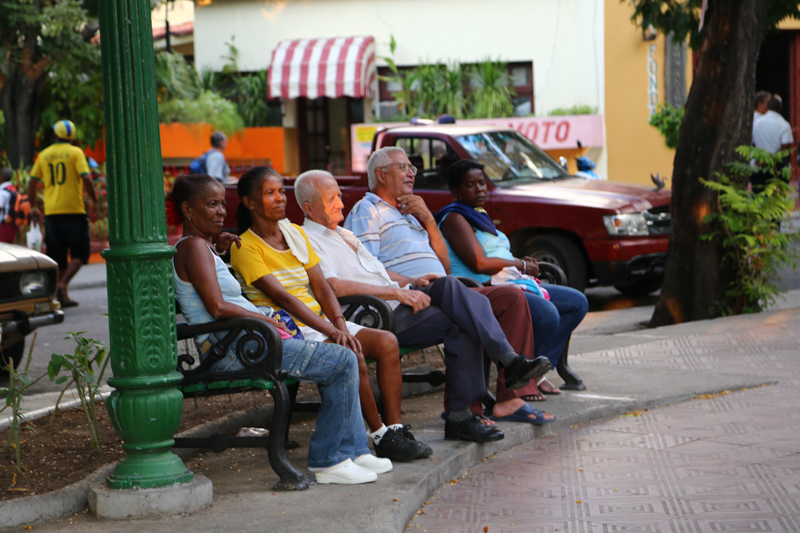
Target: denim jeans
[(340, 432), (554, 320)]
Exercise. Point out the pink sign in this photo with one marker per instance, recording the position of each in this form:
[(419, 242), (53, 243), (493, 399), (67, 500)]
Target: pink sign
[(550, 133)]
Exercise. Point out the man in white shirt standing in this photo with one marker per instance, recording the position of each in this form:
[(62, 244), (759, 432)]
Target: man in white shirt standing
[(762, 98), (771, 133)]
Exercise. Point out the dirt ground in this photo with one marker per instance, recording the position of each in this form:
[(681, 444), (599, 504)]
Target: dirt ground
[(58, 453)]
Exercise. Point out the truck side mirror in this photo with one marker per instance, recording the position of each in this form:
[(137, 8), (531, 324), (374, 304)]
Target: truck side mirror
[(563, 162)]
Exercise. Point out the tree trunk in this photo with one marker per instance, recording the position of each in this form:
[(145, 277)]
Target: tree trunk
[(718, 118)]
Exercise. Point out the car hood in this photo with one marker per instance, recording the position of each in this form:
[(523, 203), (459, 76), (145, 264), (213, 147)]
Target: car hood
[(15, 258), (621, 197)]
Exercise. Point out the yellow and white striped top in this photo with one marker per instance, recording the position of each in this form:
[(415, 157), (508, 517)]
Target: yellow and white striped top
[(256, 259)]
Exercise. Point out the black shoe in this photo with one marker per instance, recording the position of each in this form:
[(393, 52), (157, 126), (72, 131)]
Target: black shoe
[(425, 449), (522, 370), (394, 445), (472, 430)]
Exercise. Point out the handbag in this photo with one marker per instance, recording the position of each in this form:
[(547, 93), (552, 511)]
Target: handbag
[(34, 237)]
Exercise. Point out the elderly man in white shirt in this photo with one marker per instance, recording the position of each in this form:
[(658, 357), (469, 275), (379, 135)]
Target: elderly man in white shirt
[(771, 133), (429, 310)]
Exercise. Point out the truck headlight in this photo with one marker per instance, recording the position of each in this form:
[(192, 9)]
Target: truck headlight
[(33, 284), (629, 225)]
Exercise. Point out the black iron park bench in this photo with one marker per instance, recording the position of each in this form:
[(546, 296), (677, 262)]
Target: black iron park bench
[(198, 381)]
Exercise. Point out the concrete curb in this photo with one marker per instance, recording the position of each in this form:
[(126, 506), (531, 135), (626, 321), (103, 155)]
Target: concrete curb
[(75, 497), (52, 505)]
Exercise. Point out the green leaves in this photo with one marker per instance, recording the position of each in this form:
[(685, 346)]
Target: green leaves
[(667, 120), (175, 77), (492, 95), (747, 226), (208, 107), (577, 109), (682, 17), (80, 366), (433, 88)]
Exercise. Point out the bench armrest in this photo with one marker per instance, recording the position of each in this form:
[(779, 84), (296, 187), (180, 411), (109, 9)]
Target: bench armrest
[(368, 311), (269, 341)]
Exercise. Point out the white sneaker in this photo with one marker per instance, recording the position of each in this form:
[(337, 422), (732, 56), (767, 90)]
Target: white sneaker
[(373, 464), (346, 473)]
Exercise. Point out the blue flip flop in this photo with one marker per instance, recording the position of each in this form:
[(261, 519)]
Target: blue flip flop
[(521, 415)]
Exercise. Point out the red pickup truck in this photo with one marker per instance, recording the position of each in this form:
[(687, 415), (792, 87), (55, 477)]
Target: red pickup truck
[(599, 232)]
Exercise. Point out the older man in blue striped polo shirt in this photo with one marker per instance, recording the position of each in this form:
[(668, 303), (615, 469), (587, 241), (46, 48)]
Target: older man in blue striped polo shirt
[(397, 227)]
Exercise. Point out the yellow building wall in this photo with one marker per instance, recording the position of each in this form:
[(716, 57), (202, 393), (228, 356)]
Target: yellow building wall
[(635, 149), (789, 24)]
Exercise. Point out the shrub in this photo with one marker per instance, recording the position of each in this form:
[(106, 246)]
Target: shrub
[(747, 226), (208, 107), (577, 109), (667, 120)]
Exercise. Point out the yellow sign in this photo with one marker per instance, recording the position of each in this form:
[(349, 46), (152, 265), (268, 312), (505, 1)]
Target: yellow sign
[(364, 134)]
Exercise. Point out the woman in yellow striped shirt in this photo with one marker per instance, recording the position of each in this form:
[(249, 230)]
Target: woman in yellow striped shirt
[(278, 268)]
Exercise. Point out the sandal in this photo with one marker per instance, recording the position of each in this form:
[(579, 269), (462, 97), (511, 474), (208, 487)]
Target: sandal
[(553, 389), (538, 397), (522, 415)]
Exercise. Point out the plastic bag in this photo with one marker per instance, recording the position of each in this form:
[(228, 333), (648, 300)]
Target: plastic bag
[(34, 237)]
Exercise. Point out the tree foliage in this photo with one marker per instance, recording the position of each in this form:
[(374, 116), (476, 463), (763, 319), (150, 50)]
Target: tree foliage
[(49, 69), (682, 17)]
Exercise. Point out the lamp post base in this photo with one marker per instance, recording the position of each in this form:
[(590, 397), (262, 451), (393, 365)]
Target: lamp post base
[(177, 499)]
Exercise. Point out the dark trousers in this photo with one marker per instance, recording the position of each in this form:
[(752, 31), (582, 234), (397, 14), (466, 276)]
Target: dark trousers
[(463, 320), (511, 310), (496, 319)]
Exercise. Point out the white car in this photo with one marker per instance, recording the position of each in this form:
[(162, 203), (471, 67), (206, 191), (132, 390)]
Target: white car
[(27, 298)]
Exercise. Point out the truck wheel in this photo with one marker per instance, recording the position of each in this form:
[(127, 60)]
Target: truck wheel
[(13, 352), (561, 252), (643, 287)]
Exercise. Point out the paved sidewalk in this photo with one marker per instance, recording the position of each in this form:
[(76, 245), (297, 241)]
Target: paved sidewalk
[(721, 463), (634, 455)]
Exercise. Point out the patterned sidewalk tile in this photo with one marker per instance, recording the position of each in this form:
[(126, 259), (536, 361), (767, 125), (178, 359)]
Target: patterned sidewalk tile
[(723, 463)]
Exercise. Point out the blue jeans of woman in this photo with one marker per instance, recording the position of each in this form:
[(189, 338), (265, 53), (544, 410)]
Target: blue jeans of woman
[(340, 432), (554, 320)]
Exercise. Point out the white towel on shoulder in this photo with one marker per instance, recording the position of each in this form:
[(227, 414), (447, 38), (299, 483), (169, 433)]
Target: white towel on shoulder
[(297, 244)]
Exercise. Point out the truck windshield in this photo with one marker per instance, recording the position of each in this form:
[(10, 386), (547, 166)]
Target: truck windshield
[(510, 158)]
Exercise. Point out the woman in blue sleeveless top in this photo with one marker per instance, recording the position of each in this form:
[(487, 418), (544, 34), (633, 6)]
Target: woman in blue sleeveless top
[(480, 251)]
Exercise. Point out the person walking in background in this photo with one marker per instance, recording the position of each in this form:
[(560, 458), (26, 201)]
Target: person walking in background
[(61, 169), (216, 165), (7, 227), (771, 133)]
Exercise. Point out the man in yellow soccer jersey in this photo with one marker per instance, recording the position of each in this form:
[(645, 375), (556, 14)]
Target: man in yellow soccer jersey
[(64, 173)]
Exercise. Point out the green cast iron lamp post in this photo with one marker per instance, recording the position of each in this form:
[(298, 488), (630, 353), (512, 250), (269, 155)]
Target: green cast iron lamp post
[(146, 406)]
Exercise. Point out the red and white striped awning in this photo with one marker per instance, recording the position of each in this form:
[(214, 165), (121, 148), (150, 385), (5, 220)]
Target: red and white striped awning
[(314, 68)]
